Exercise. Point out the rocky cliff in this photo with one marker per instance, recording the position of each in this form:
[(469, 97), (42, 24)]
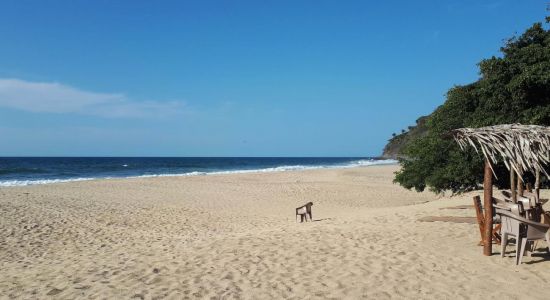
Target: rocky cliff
[(395, 145)]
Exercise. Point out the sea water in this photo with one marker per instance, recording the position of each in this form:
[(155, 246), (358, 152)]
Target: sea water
[(19, 171)]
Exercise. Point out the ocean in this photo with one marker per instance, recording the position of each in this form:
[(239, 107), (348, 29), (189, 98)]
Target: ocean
[(20, 171)]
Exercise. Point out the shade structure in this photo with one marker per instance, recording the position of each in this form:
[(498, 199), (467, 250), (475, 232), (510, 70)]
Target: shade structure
[(521, 147)]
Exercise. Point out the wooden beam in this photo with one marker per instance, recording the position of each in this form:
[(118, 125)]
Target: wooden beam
[(520, 186), (488, 203), (480, 219), (537, 184), (513, 185)]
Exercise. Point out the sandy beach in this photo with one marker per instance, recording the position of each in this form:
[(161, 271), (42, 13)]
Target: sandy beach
[(235, 237)]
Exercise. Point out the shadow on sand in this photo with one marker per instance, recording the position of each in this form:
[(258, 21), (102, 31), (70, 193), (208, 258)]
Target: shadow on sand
[(325, 219)]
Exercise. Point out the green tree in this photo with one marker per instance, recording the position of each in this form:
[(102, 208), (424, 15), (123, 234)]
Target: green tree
[(514, 88)]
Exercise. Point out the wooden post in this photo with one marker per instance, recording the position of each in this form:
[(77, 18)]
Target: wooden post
[(520, 186), (488, 203), (513, 184), (537, 184)]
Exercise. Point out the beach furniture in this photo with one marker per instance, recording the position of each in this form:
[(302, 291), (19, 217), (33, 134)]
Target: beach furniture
[(304, 211), (509, 227), (481, 223), (531, 203), (523, 229)]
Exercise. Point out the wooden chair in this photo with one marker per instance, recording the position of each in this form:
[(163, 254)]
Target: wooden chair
[(481, 222)]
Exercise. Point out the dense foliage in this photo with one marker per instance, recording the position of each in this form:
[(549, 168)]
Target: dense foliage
[(514, 88)]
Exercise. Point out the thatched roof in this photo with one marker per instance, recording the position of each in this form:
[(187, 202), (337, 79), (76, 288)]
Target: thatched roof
[(521, 147)]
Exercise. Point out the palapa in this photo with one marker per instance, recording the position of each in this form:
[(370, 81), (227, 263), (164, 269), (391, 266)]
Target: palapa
[(521, 147)]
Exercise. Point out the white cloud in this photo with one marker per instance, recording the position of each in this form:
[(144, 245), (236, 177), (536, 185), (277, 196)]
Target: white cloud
[(58, 98)]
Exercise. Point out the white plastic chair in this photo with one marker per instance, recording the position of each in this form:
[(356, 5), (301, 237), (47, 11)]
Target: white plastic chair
[(524, 230)]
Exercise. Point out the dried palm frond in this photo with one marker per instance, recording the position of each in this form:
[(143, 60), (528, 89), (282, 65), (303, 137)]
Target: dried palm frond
[(522, 147)]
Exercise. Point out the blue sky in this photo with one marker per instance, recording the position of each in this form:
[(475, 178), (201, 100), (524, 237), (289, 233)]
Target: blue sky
[(235, 78)]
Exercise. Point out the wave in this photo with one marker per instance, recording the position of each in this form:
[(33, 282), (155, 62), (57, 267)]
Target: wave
[(351, 164), (7, 183)]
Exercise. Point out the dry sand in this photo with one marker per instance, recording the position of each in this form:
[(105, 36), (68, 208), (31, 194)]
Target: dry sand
[(235, 236)]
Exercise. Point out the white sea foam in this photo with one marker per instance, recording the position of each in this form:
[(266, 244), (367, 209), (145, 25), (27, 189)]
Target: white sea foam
[(7, 183), (352, 164)]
